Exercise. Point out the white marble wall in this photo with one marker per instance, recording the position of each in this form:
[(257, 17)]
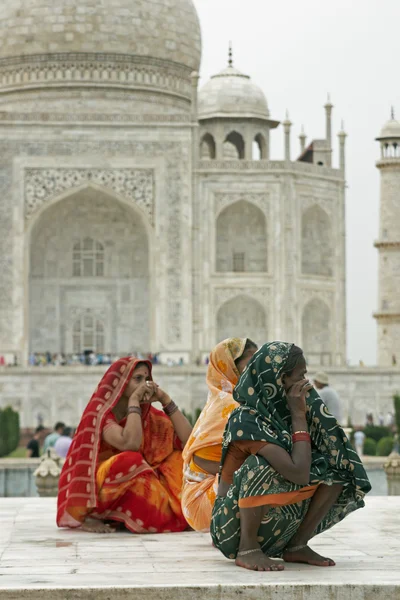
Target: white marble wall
[(301, 286)]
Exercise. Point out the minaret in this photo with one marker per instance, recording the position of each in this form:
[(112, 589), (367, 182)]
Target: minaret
[(286, 128), (302, 138), (328, 115), (388, 244), (342, 150)]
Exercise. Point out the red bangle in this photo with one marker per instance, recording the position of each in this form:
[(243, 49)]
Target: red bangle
[(301, 437)]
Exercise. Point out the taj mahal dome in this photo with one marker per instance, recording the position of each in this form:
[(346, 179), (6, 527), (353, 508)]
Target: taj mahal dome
[(142, 213)]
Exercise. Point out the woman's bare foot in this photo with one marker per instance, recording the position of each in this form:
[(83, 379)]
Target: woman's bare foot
[(307, 556), (257, 561), (94, 526)]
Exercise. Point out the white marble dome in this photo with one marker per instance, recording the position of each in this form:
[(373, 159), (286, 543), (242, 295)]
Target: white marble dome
[(390, 130), (163, 29), (231, 93)]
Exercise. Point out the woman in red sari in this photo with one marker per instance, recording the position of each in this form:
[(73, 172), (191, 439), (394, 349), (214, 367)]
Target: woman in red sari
[(125, 462)]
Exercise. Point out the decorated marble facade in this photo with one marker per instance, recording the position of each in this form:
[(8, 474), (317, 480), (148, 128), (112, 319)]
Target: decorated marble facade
[(140, 214)]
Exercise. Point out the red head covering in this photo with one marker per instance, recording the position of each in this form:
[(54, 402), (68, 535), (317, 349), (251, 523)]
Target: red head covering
[(77, 495)]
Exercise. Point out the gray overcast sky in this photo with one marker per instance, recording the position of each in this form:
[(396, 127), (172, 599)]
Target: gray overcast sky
[(298, 51)]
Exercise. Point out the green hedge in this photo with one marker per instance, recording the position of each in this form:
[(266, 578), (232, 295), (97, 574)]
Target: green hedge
[(9, 431), (369, 447), (385, 446), (377, 432), (396, 403)]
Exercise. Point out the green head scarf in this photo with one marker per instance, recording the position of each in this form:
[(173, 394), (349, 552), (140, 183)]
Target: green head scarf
[(263, 415)]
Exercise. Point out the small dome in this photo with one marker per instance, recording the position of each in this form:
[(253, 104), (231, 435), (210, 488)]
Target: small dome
[(230, 93), (390, 130), (161, 29)]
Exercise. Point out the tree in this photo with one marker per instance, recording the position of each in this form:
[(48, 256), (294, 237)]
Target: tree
[(396, 402), (9, 431)]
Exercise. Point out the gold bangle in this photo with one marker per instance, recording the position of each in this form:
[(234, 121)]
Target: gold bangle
[(301, 432)]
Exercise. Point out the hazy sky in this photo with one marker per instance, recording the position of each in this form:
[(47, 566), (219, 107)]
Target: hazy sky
[(298, 52)]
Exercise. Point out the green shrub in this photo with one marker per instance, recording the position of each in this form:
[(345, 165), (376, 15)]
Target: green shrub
[(376, 432), (396, 403), (9, 431), (3, 434), (384, 446), (369, 447)]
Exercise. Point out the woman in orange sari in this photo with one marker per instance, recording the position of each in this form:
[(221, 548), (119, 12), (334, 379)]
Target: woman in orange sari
[(125, 462), (203, 451)]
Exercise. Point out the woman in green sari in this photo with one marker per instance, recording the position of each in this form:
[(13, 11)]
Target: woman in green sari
[(288, 471)]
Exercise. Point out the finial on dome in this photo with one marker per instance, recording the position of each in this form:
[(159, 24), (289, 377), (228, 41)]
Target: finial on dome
[(392, 113), (230, 55)]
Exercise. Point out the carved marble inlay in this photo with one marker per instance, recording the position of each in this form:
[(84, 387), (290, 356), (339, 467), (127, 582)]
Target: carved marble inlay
[(223, 294), (136, 185), (226, 199)]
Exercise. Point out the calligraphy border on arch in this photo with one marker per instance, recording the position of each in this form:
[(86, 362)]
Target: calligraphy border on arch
[(43, 184)]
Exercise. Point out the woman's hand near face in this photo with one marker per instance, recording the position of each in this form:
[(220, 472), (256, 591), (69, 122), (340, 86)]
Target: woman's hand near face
[(161, 396), (144, 393), (296, 396)]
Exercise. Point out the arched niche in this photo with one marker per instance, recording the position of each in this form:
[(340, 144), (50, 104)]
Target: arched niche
[(242, 316), (234, 147), (89, 255), (207, 147), (317, 332), (317, 254), (241, 239)]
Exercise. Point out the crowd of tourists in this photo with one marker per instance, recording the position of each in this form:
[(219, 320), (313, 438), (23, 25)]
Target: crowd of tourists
[(266, 467)]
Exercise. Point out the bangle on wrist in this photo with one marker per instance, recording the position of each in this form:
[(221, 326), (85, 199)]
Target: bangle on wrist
[(301, 436), (134, 410), (170, 408)]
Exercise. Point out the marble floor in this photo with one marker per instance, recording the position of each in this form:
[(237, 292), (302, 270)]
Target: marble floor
[(37, 560)]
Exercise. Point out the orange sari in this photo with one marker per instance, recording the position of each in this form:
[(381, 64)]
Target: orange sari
[(140, 489), (199, 487)]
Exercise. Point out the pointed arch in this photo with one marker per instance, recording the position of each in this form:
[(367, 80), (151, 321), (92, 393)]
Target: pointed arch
[(89, 251), (234, 146), (241, 239), (242, 316), (317, 332), (207, 147), (317, 254)]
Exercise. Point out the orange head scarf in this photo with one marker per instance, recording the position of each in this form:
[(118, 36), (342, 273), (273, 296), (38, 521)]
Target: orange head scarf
[(222, 376), (77, 495)]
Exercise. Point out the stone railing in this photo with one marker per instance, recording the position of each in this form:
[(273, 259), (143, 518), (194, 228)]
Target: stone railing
[(268, 165), (16, 477)]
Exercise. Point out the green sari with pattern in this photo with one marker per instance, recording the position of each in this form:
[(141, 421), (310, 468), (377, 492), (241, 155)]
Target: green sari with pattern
[(263, 415)]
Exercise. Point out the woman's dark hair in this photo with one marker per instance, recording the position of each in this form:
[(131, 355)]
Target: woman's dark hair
[(295, 355), (250, 345)]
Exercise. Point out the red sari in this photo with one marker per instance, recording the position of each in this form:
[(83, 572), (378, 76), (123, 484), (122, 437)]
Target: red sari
[(140, 489)]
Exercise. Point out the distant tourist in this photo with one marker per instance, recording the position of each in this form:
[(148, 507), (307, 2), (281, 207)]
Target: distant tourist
[(51, 439), (370, 420), (328, 395), (381, 420), (359, 439), (283, 476), (202, 454), (33, 447), (390, 420), (64, 442), (125, 461)]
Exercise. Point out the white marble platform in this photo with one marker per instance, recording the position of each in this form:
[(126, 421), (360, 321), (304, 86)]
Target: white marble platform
[(39, 561)]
